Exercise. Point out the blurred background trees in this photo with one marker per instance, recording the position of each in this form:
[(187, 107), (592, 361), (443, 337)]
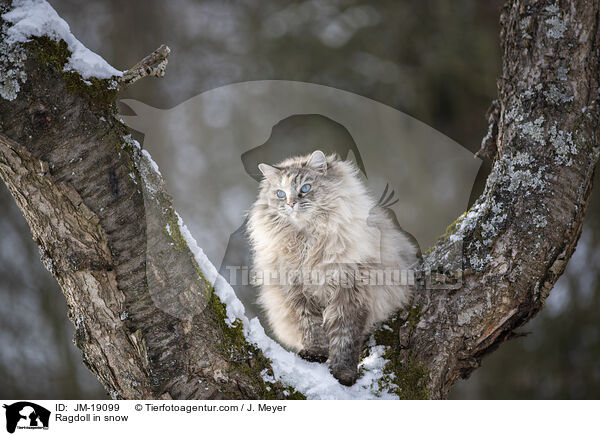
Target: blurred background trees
[(437, 61)]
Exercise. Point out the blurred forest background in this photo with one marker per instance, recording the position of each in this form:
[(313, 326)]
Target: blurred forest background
[(435, 60)]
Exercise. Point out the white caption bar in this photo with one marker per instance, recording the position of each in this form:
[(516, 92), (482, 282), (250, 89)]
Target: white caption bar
[(23, 417)]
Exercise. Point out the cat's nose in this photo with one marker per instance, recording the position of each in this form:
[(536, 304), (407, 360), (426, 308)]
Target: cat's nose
[(292, 203)]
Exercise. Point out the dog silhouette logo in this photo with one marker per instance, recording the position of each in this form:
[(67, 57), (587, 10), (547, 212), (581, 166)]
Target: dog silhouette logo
[(209, 148), (26, 415)]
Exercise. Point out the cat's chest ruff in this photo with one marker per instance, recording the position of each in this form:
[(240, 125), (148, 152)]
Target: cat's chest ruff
[(297, 248), (312, 250)]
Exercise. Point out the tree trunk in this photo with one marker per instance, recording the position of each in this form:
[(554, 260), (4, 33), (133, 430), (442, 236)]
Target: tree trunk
[(96, 208)]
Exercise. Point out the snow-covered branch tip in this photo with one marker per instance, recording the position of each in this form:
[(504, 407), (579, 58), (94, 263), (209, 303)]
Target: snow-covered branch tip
[(154, 64)]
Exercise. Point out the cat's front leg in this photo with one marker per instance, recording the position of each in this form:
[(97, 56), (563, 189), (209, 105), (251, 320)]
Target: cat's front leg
[(344, 320), (314, 339)]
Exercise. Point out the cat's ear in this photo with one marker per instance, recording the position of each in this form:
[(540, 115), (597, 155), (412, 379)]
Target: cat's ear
[(351, 157), (268, 171), (318, 161)]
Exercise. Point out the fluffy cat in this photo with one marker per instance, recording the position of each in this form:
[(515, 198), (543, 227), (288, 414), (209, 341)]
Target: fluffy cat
[(314, 215)]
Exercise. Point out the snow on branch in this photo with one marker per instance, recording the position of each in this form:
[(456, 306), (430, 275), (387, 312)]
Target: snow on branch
[(36, 18)]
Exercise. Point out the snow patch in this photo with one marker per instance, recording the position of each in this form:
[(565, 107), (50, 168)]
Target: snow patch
[(131, 142), (154, 165), (31, 18), (12, 61)]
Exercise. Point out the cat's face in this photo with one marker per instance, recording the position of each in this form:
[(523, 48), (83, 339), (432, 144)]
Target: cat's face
[(296, 191)]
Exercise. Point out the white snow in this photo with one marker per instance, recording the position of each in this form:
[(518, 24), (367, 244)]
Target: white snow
[(154, 165), (312, 379), (37, 18)]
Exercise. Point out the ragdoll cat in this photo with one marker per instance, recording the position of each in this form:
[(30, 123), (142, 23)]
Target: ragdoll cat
[(314, 214)]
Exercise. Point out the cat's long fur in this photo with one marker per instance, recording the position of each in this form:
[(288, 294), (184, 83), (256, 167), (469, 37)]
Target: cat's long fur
[(338, 224)]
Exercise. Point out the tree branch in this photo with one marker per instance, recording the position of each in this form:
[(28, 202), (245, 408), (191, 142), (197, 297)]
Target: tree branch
[(155, 64), (515, 241)]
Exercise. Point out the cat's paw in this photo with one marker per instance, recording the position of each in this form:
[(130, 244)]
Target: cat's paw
[(345, 375), (314, 354)]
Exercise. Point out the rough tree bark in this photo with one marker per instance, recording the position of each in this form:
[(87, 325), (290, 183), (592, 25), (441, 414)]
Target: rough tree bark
[(96, 208)]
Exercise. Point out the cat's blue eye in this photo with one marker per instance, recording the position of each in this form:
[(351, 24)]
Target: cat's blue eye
[(305, 188), (280, 193)]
